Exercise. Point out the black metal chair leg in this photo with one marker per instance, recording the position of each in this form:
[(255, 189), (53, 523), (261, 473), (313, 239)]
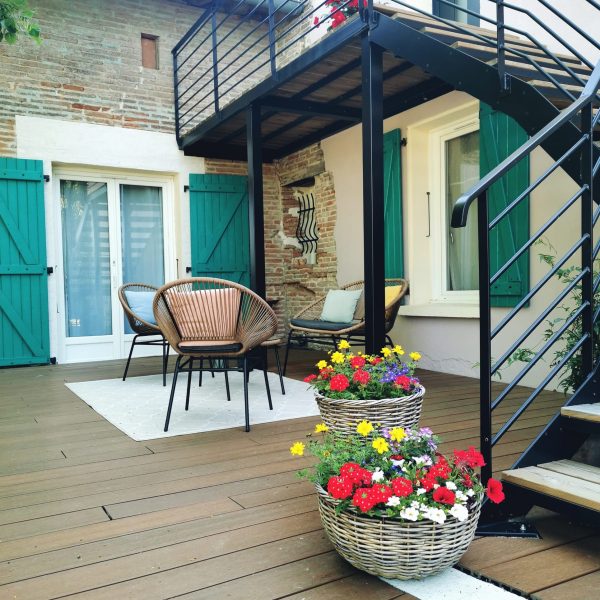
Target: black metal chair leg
[(165, 349), (189, 384), (278, 362), (267, 382), (226, 367), (173, 385), (246, 405), (129, 358), (388, 340), (200, 376), (287, 353), (212, 366)]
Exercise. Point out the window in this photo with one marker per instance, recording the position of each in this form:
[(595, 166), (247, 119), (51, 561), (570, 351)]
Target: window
[(149, 51), (441, 9)]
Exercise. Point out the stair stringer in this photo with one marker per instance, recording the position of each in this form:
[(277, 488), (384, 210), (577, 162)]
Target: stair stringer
[(523, 103)]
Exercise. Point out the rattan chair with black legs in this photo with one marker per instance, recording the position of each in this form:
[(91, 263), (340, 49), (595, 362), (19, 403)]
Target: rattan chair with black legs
[(206, 319), (136, 300), (307, 326)]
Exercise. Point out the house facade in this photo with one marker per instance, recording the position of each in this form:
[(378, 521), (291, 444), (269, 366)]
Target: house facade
[(94, 102)]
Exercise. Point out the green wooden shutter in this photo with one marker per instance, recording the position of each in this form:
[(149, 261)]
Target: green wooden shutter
[(24, 338), (219, 227), (501, 135), (392, 187)]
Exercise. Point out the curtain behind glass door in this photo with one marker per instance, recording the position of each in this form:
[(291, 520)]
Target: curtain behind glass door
[(142, 242), (86, 256)]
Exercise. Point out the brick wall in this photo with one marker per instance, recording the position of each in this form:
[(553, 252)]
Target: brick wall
[(88, 67), (289, 277)]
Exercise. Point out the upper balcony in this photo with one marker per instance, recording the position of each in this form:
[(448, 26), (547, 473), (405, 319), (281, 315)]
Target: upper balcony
[(301, 60)]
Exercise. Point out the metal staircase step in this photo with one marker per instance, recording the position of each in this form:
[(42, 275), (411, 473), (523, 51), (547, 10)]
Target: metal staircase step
[(565, 480), (585, 412)]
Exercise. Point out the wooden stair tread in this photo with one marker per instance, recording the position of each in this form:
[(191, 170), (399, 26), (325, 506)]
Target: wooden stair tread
[(585, 412), (549, 479)]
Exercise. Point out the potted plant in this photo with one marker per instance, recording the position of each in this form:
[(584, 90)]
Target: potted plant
[(380, 388), (391, 504)]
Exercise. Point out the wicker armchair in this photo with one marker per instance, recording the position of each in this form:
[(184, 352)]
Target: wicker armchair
[(308, 326), (205, 318), (142, 328)]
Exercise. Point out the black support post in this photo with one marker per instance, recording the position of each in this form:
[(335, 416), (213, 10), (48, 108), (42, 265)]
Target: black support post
[(255, 197), (373, 220)]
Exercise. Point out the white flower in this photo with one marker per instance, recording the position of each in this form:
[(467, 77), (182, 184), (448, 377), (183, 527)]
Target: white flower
[(393, 501), (460, 512), (423, 460), (461, 496), (421, 491), (398, 463), (436, 486), (410, 514), (377, 475), (450, 485), (437, 515), (415, 504), (470, 493)]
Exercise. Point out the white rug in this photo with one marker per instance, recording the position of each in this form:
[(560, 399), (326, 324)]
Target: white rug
[(138, 406)]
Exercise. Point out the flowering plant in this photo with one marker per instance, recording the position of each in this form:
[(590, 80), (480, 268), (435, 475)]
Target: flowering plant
[(398, 473), (340, 11), (363, 376)]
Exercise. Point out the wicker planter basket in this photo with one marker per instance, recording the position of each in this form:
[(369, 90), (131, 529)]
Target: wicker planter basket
[(342, 416), (393, 548)]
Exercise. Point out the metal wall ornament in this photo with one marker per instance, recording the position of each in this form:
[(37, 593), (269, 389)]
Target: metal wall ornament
[(306, 230)]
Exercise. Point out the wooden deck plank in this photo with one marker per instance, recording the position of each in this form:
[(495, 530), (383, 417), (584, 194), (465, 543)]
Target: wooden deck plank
[(355, 587), (574, 589)]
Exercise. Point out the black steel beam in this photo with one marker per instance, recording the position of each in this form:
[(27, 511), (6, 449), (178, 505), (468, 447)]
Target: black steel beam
[(373, 204), (312, 109), (255, 201)]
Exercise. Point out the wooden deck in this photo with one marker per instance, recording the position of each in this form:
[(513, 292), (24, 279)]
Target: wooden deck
[(87, 512)]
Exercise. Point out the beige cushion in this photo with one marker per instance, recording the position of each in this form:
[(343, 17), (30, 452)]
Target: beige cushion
[(359, 313), (391, 292), (206, 314)]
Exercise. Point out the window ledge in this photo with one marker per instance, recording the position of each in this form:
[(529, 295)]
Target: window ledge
[(440, 309)]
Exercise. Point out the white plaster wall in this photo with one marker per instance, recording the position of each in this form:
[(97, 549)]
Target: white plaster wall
[(69, 144), (447, 334)]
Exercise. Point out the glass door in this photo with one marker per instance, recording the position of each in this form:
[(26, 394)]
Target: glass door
[(113, 232)]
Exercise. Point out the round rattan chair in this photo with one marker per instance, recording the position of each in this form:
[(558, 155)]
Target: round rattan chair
[(143, 328), (308, 326), (209, 319)]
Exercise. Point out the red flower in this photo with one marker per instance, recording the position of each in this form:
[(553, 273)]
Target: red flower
[(309, 378), (337, 19), (444, 496), (338, 383), (357, 362), (339, 487), (467, 480), (402, 487), (428, 482), (366, 477), (494, 491), (364, 499), (376, 360), (325, 373), (403, 381), (352, 472), (316, 21), (361, 377), (382, 493), (468, 458)]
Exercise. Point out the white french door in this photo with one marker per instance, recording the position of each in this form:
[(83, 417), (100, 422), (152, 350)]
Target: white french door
[(114, 230)]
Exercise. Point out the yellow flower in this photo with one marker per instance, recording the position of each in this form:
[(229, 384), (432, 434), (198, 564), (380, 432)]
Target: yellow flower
[(343, 345), (337, 357), (398, 350), (380, 445), (386, 351), (321, 428), (322, 364), (297, 449), (397, 434), (415, 355), (364, 428), (349, 356)]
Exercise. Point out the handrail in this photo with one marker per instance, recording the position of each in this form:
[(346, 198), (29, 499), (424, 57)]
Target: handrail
[(462, 205)]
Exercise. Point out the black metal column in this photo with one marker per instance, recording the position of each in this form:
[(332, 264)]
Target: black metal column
[(373, 220), (255, 197), (485, 340)]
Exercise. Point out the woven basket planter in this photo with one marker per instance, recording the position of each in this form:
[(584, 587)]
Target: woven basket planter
[(342, 416), (393, 548)]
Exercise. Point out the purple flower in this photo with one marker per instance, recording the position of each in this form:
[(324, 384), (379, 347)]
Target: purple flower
[(426, 431)]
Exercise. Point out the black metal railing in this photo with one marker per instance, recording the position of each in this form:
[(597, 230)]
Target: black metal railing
[(236, 44), (583, 316)]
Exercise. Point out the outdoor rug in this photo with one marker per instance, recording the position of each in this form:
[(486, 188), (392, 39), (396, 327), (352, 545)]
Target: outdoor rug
[(138, 405)]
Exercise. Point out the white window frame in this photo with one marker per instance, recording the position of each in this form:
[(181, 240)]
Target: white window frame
[(439, 222), (117, 344)]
